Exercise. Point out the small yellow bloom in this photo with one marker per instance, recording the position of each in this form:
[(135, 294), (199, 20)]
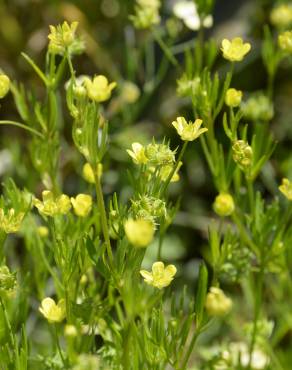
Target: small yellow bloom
[(82, 204), (161, 276), (99, 89), (233, 97), (43, 231), (138, 153), (224, 205), (235, 50), (188, 131), (63, 38), (88, 173), (51, 311), (4, 85), (139, 232), (10, 221), (217, 304), (286, 188), (51, 206), (285, 41), (281, 16)]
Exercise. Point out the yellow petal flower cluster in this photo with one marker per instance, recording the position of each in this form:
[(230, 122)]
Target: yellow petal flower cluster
[(82, 204), (224, 204), (99, 89), (51, 206), (285, 41), (10, 221), (4, 85), (217, 304), (286, 188), (233, 98), (63, 39), (139, 232), (51, 311), (235, 50), (188, 131), (161, 276), (138, 153)]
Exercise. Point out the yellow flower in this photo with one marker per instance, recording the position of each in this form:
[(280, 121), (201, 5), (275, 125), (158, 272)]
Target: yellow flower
[(224, 204), (63, 38), (285, 41), (82, 204), (10, 221), (138, 153), (161, 276), (139, 232), (233, 97), (281, 16), (43, 231), (4, 85), (235, 50), (51, 206), (88, 173), (188, 131), (99, 89), (286, 188), (217, 304), (51, 311)]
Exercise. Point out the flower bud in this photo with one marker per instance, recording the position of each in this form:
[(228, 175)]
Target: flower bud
[(43, 231), (224, 204), (8, 282), (281, 16), (70, 331), (285, 41), (4, 85), (82, 204), (233, 97), (217, 304), (286, 188), (242, 154), (139, 232)]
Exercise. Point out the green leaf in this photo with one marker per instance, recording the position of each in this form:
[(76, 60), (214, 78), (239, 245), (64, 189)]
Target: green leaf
[(201, 294)]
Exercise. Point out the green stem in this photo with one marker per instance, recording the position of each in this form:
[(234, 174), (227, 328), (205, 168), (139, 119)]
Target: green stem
[(161, 237), (190, 349), (21, 125), (58, 345), (101, 207), (175, 167), (243, 233), (257, 309), (165, 49), (72, 72), (3, 237), (250, 195)]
